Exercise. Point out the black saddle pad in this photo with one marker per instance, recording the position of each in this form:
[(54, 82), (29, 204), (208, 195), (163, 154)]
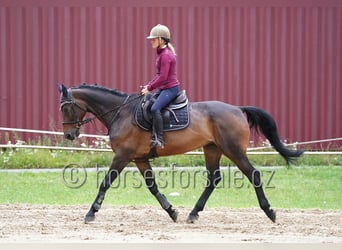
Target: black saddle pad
[(174, 119)]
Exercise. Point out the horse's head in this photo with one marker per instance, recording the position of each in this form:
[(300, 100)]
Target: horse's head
[(72, 113)]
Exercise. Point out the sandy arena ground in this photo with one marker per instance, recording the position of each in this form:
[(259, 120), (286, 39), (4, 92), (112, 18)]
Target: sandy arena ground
[(144, 224)]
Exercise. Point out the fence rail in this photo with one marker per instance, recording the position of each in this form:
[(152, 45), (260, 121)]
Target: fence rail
[(249, 150)]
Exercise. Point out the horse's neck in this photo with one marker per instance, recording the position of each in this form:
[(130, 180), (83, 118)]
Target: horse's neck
[(100, 105)]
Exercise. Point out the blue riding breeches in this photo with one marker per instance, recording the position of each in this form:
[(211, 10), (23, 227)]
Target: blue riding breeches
[(164, 98)]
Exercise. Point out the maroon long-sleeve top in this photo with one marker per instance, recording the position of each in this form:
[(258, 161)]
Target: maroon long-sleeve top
[(166, 76)]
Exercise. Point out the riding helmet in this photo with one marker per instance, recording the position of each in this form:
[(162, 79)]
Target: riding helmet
[(159, 31)]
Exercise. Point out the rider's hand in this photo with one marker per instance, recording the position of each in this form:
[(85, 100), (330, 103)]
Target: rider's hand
[(144, 90)]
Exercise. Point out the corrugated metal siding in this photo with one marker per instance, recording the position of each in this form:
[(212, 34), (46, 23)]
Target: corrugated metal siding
[(283, 56)]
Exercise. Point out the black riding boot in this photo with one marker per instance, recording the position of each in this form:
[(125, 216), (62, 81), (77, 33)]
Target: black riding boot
[(157, 131)]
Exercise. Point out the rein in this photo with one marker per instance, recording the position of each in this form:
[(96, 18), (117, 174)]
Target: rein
[(70, 100)]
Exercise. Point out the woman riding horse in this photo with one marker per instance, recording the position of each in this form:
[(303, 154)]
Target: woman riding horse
[(217, 127), (165, 81)]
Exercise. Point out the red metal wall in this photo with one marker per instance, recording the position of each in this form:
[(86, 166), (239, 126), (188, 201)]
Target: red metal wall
[(281, 55)]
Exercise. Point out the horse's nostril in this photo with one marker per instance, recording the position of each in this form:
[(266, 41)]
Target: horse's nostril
[(69, 136)]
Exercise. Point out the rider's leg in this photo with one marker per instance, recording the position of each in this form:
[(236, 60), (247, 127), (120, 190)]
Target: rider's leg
[(164, 98)]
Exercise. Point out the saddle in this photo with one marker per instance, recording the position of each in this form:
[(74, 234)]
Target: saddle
[(175, 115)]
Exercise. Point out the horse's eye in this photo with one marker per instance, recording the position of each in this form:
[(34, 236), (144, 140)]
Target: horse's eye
[(64, 109)]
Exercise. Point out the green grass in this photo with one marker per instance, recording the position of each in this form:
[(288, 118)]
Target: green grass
[(294, 187), (28, 158), (34, 158), (25, 158)]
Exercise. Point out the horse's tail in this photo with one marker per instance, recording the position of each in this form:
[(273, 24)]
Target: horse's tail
[(264, 122)]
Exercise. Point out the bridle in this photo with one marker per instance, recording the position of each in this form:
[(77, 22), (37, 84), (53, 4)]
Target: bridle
[(70, 100)]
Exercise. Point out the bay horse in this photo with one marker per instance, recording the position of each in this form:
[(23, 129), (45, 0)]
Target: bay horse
[(219, 128)]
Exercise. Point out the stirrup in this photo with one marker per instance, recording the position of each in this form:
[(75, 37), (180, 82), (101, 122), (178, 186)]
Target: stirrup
[(155, 141)]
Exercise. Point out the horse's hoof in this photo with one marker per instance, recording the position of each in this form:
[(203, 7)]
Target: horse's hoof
[(192, 218), (89, 218), (174, 215), (272, 215)]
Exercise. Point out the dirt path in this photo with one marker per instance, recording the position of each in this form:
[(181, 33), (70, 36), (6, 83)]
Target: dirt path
[(34, 223)]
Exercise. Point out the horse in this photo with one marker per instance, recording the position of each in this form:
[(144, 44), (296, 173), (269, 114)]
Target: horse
[(217, 127)]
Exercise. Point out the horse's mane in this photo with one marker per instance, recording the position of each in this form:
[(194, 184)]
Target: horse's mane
[(99, 87)]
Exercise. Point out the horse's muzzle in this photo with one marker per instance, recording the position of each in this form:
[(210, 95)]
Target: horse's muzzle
[(72, 134)]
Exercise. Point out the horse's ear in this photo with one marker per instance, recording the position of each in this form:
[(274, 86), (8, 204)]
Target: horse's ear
[(62, 89), (59, 87)]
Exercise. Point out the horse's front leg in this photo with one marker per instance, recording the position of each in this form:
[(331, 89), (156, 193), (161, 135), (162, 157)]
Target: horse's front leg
[(148, 174), (115, 169)]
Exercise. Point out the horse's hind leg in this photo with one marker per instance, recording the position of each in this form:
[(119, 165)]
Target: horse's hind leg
[(253, 176), (147, 172), (233, 143), (212, 156)]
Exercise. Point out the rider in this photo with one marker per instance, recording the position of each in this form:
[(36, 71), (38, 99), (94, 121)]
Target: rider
[(164, 82)]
